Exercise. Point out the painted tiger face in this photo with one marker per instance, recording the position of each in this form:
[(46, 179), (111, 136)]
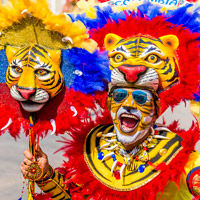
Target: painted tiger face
[(133, 112), (33, 75), (143, 61)]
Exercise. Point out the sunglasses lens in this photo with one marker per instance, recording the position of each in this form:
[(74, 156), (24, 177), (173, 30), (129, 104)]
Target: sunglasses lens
[(119, 95), (140, 97)]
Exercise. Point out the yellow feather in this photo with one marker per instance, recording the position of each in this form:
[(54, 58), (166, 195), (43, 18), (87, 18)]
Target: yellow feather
[(20, 11)]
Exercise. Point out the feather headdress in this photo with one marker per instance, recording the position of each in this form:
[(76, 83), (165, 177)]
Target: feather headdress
[(146, 20), (84, 68)]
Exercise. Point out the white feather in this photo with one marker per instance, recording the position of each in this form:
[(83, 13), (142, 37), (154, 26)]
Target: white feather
[(7, 125), (181, 114), (73, 109), (66, 39), (53, 124)]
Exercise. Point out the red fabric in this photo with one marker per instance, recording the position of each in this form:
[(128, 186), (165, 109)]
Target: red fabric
[(97, 191), (42, 197), (192, 1), (58, 109), (187, 52)]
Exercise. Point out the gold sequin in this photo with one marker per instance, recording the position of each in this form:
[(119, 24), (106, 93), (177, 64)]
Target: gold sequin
[(163, 152)]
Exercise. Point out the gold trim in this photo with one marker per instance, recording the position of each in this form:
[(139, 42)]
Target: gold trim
[(150, 168)]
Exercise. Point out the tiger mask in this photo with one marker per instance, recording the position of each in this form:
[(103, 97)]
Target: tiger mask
[(143, 61), (33, 75)]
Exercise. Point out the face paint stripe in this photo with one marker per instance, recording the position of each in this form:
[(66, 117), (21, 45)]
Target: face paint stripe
[(25, 57), (41, 48), (169, 70), (37, 52), (61, 87), (21, 51), (120, 41), (57, 84), (50, 83), (32, 54), (131, 42), (10, 76)]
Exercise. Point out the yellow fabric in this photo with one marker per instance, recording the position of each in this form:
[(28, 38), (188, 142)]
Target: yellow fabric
[(132, 179), (172, 192), (55, 187)]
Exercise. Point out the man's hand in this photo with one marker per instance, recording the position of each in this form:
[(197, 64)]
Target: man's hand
[(40, 157)]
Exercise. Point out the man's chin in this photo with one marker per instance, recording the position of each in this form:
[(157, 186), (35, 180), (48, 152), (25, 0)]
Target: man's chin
[(32, 107)]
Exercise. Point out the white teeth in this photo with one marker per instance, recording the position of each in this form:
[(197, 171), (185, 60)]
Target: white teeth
[(127, 128), (129, 116)]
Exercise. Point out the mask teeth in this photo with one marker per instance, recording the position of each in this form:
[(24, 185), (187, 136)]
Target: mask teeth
[(105, 145), (113, 167), (122, 171), (107, 156), (111, 148)]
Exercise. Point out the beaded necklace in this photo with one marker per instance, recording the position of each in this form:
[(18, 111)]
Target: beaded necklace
[(132, 160)]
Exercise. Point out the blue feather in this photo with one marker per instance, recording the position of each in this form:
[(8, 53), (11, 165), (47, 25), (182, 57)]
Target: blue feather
[(180, 16), (84, 71), (3, 65), (103, 15)]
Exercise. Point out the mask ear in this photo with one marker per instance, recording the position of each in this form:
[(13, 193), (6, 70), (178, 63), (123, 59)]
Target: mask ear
[(109, 103), (10, 52), (111, 40), (170, 41), (55, 56)]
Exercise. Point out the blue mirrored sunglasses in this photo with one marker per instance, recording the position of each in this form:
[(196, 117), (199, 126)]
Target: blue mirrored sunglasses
[(139, 96)]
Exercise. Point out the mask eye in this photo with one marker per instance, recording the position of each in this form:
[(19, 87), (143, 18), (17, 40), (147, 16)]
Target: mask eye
[(152, 58), (140, 97), (42, 72), (118, 58), (119, 95), (17, 69)]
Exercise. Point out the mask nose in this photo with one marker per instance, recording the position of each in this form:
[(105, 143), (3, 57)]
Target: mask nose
[(25, 92), (132, 72)]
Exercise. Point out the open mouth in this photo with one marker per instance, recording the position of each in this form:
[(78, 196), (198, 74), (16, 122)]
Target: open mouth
[(128, 122), (31, 106)]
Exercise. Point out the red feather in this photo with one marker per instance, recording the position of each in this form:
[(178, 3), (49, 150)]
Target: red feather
[(73, 151), (187, 52)]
